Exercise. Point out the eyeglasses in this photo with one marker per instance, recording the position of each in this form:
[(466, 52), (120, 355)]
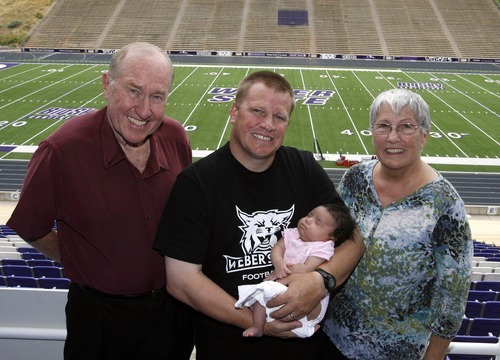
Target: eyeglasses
[(402, 129)]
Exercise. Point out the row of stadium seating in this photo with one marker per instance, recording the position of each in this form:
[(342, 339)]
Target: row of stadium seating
[(480, 329), (481, 322), (445, 28), (23, 266)]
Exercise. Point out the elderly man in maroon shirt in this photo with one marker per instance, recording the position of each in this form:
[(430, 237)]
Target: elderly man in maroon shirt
[(103, 178)]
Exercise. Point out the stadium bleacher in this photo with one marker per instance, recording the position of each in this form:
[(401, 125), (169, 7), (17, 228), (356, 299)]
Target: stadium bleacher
[(480, 326), (21, 265), (444, 28)]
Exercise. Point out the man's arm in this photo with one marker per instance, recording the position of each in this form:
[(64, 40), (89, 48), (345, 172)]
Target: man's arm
[(48, 244), (305, 291), (187, 283)]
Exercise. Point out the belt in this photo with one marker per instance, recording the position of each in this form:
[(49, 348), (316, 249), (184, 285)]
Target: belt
[(156, 293)]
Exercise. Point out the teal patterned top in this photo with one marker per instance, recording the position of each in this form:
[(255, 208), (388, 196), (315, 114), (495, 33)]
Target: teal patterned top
[(414, 277)]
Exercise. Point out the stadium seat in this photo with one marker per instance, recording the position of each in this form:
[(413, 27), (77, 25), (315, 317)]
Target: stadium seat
[(470, 357), (21, 281), (491, 309), (16, 270), (54, 283), (482, 295), (478, 259), (7, 248), (10, 255), (477, 277), (489, 263), (24, 250), (493, 276), (31, 256), (464, 327), (12, 262), (47, 271), (487, 285), (476, 339), (485, 327), (482, 269), (473, 309), (40, 262)]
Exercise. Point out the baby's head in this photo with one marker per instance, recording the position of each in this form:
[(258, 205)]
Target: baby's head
[(345, 224), (327, 222)]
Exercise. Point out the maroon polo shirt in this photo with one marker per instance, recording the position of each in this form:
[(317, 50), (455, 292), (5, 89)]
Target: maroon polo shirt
[(106, 211)]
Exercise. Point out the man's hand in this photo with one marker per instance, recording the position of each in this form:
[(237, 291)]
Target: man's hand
[(304, 293)]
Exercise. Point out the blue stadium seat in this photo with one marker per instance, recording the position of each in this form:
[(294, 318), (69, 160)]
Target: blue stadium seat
[(47, 271), (21, 281), (473, 309), (487, 285), (40, 262), (476, 339), (31, 256), (485, 327), (482, 295), (491, 309), (464, 327), (13, 262), (30, 250), (17, 270), (54, 283)]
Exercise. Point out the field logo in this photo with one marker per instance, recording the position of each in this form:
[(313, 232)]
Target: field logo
[(308, 97), (419, 85), (60, 113), (7, 65), (261, 231)]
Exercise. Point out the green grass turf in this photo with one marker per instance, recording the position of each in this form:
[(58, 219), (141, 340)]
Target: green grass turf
[(332, 107)]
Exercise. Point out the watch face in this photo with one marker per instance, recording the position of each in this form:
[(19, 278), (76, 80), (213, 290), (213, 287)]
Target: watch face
[(329, 283)]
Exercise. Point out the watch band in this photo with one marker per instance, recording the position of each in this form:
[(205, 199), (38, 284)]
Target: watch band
[(328, 279)]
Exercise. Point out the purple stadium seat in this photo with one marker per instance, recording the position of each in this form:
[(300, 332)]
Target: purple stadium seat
[(47, 271), (13, 262), (17, 270), (487, 285), (30, 250), (40, 262), (485, 327), (31, 256), (473, 309), (464, 327), (54, 283), (482, 295), (491, 309), (21, 281)]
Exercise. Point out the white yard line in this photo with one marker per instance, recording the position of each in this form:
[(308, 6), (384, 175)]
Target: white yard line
[(348, 113)]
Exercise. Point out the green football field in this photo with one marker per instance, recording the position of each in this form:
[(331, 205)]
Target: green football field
[(331, 113)]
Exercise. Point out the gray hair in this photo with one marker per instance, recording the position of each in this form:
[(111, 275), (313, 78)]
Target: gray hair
[(136, 48), (399, 99)]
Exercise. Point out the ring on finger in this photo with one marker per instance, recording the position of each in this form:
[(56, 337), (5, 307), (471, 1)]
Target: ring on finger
[(292, 316)]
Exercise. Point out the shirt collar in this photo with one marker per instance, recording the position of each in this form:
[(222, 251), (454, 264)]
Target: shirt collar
[(113, 153)]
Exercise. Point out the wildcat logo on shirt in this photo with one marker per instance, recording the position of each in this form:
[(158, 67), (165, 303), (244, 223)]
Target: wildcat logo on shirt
[(261, 231)]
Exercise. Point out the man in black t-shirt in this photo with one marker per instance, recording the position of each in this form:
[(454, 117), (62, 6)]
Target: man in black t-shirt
[(227, 211)]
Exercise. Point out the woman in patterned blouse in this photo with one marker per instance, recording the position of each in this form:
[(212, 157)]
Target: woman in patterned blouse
[(407, 296)]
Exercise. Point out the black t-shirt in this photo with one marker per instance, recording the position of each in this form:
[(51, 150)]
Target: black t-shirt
[(227, 218)]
